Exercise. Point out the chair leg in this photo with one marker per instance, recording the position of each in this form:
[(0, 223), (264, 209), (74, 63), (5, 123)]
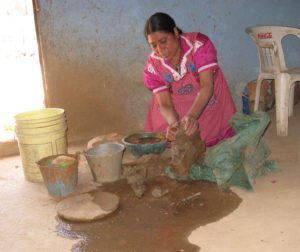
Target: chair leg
[(282, 95), (257, 93), (291, 100)]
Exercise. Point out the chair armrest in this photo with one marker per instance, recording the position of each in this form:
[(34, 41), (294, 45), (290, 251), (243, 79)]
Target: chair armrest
[(291, 31)]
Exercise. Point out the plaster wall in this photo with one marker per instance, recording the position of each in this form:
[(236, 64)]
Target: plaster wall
[(94, 51)]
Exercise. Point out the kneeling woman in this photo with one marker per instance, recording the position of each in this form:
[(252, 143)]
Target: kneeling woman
[(187, 83)]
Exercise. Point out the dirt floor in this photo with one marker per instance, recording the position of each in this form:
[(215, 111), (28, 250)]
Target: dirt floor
[(192, 216), (153, 224)]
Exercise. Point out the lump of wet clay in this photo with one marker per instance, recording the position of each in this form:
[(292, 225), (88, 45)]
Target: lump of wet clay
[(138, 171), (87, 206), (186, 150), (63, 160)]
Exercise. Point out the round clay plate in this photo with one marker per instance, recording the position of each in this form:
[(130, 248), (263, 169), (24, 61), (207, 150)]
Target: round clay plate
[(87, 206)]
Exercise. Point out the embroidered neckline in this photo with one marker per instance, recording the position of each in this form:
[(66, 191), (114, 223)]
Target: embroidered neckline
[(177, 75)]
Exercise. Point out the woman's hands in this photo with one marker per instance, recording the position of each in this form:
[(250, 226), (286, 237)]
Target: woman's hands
[(190, 127), (200, 102), (171, 130), (190, 124)]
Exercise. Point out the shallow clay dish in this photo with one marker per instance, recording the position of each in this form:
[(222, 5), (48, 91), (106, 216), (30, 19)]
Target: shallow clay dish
[(142, 144), (87, 206)]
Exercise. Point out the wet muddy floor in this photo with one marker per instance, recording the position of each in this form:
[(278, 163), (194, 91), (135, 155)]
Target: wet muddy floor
[(149, 223)]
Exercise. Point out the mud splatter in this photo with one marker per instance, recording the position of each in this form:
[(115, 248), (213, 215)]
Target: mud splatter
[(152, 224)]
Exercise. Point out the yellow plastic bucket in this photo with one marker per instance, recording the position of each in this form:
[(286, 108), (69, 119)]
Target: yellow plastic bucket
[(40, 133), (40, 118)]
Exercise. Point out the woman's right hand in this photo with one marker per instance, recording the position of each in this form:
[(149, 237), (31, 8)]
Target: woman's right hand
[(171, 130)]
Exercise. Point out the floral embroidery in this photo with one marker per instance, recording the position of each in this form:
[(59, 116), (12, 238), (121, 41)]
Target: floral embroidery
[(186, 89), (177, 76), (168, 79), (184, 58), (192, 67), (212, 100), (193, 70)]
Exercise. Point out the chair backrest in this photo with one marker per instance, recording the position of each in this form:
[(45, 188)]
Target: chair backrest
[(269, 47)]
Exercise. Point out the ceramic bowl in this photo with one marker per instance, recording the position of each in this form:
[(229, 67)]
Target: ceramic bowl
[(141, 144)]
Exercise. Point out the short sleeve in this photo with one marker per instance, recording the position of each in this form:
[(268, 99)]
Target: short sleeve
[(206, 56), (152, 80)]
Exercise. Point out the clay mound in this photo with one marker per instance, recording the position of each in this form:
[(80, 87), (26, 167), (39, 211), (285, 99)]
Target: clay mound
[(63, 160), (87, 206), (186, 150)]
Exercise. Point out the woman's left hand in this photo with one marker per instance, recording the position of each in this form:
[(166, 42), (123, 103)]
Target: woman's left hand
[(190, 124)]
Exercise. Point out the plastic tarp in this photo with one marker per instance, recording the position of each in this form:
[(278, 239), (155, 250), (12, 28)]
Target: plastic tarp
[(237, 161)]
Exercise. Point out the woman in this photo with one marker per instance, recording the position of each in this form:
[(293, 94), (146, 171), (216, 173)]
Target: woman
[(188, 85)]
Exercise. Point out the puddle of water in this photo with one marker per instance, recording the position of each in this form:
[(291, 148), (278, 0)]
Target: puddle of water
[(151, 224)]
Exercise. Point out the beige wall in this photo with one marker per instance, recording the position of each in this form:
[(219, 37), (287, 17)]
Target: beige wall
[(96, 99)]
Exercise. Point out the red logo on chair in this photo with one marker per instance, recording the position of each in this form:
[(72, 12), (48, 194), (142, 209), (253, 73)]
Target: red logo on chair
[(265, 35)]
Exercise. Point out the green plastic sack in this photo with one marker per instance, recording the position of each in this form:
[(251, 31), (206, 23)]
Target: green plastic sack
[(237, 161)]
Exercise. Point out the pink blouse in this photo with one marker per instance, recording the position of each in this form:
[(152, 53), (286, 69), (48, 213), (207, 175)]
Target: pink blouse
[(198, 55)]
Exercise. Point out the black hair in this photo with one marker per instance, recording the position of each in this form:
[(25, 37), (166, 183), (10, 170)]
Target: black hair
[(160, 22)]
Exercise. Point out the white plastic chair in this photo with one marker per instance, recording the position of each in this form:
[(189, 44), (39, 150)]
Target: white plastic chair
[(272, 66)]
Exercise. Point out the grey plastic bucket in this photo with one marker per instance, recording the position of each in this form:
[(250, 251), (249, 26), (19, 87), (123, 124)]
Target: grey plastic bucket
[(105, 161)]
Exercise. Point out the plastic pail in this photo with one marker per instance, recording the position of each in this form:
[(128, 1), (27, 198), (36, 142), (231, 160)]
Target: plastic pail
[(39, 116), (40, 133), (60, 180), (105, 161)]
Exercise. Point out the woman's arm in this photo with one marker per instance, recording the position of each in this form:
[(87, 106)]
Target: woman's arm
[(200, 102), (166, 107), (168, 112)]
